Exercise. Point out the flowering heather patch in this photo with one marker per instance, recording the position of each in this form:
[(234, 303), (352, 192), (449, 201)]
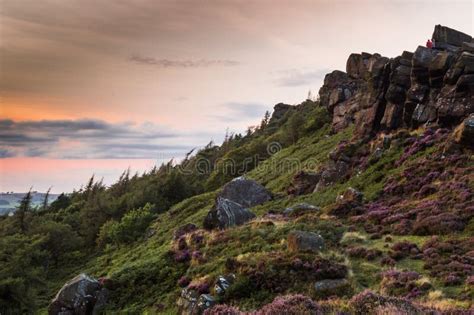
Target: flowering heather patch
[(470, 280), (404, 249), (403, 283), (200, 287), (182, 256), (437, 198), (362, 252), (184, 281), (197, 239), (290, 305), (296, 304), (223, 309), (368, 302), (452, 261), (181, 244), (278, 271), (426, 140)]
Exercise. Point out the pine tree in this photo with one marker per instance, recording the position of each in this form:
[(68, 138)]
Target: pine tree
[(265, 120), (23, 210), (45, 200)]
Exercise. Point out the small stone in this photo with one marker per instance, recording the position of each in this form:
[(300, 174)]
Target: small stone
[(329, 287)]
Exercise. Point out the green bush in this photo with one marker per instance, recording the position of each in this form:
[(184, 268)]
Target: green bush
[(131, 227)]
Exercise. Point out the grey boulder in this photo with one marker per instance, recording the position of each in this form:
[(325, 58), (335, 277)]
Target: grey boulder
[(81, 295), (246, 192), (226, 213)]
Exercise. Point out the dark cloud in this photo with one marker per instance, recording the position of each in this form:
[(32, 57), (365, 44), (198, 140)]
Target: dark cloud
[(86, 138), (168, 63), (295, 77), (81, 128), (4, 153), (16, 139)]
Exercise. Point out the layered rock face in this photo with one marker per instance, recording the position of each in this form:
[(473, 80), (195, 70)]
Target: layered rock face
[(428, 86)]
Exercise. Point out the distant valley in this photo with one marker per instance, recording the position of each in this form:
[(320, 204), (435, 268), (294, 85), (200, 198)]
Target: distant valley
[(9, 201)]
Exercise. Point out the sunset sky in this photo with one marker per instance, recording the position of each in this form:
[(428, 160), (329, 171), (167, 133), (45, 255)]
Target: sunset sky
[(92, 86)]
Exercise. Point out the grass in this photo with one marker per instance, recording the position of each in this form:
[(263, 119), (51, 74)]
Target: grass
[(148, 276)]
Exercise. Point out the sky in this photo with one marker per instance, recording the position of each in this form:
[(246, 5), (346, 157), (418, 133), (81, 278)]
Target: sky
[(94, 86)]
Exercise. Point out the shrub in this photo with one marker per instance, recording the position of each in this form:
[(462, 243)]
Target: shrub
[(132, 226)]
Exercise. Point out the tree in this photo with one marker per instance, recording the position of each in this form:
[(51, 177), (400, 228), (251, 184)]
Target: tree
[(62, 202), (132, 226), (294, 127), (265, 120), (22, 211), (58, 239), (21, 273), (45, 200)]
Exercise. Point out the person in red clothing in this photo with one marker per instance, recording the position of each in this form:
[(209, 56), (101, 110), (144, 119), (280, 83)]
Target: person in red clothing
[(429, 44)]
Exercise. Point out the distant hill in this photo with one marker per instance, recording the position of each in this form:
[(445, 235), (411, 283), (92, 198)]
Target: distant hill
[(9, 201)]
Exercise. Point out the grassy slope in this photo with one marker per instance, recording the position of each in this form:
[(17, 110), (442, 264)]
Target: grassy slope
[(148, 276)]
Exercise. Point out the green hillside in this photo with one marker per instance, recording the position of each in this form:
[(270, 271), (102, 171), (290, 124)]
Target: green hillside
[(363, 212)]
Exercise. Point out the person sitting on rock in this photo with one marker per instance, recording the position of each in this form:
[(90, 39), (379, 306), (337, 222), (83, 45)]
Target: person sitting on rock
[(429, 44)]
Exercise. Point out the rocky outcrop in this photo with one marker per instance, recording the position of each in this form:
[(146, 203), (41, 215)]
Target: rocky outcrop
[(82, 295), (245, 192), (332, 172), (301, 241), (430, 85), (303, 183), (464, 133), (227, 213), (223, 283), (349, 203), (357, 96), (192, 303), (279, 110), (447, 38)]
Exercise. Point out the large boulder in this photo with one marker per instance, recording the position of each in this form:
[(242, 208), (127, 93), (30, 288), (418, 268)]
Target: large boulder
[(301, 241), (464, 133), (445, 37), (245, 192), (227, 213), (82, 295)]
